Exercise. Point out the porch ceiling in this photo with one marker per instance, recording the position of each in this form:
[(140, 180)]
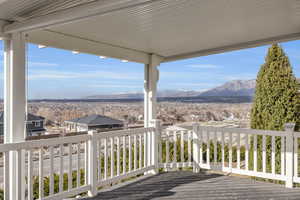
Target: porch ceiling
[(173, 29)]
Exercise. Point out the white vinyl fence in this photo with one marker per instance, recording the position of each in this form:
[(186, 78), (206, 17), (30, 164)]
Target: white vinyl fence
[(63, 167)]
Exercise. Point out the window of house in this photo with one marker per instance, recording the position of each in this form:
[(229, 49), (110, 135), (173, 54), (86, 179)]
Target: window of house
[(37, 124)]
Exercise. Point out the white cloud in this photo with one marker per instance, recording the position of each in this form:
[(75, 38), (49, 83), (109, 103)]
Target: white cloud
[(42, 64), (88, 65), (203, 66), (207, 75), (239, 77), (54, 74), (196, 84), (115, 86), (177, 74)]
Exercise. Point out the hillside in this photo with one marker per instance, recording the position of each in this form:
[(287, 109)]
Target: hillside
[(233, 88)]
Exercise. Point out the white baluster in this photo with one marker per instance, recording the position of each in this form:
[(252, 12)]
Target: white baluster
[(207, 149), (145, 149), (124, 155), (223, 150), (264, 157), (230, 150), (167, 149), (130, 153), (255, 152), (86, 163), (238, 151), (29, 177), (51, 176), (78, 165), (282, 157), (99, 159), (273, 155), (182, 146), (201, 147), (135, 152), (215, 148), (41, 174), (61, 167), (140, 151), (118, 156), (174, 149), (112, 157), (189, 148), (70, 167), (247, 152), (105, 158)]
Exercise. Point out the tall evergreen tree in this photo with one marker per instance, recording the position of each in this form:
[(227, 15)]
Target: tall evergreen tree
[(277, 99)]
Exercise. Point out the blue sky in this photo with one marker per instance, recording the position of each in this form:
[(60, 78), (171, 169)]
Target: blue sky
[(56, 73)]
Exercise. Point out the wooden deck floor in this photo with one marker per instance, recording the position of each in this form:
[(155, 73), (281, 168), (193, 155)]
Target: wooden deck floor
[(189, 186)]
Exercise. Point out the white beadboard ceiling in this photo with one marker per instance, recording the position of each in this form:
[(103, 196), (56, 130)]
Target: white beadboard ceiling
[(173, 29)]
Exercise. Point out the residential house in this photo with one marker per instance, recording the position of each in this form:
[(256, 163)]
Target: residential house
[(93, 122), (34, 125)]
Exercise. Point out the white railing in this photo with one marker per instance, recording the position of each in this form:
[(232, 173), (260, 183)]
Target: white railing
[(243, 151), (119, 155), (63, 167), (258, 153), (175, 149), (67, 166), (48, 161)]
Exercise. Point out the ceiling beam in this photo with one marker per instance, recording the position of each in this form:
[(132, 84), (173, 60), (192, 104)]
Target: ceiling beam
[(243, 45), (74, 14), (73, 43), (2, 34)]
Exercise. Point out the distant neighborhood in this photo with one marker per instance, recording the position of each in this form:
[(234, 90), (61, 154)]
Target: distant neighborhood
[(34, 125)]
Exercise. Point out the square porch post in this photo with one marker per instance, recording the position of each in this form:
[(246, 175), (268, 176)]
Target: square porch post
[(14, 111), (151, 78), (150, 101)]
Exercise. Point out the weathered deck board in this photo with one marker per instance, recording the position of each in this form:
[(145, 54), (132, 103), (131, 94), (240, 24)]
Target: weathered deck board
[(190, 186)]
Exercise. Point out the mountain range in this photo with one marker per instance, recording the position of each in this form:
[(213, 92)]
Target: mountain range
[(233, 88), (230, 88)]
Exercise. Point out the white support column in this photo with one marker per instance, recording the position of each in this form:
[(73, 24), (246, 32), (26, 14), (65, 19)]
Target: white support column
[(14, 110), (150, 88)]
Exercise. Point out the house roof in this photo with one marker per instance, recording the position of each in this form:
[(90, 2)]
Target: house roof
[(95, 120), (30, 117), (133, 29)]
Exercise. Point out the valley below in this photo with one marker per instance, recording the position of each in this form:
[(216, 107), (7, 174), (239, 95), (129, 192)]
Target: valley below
[(132, 113)]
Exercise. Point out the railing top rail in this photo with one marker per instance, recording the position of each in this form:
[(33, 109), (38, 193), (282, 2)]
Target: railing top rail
[(123, 132), (243, 131), (69, 139), (297, 134), (43, 143)]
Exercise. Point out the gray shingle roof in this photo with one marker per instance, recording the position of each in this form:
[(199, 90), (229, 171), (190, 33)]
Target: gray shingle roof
[(94, 120), (30, 117)]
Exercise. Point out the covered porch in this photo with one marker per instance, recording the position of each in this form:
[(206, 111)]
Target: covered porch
[(150, 32)]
